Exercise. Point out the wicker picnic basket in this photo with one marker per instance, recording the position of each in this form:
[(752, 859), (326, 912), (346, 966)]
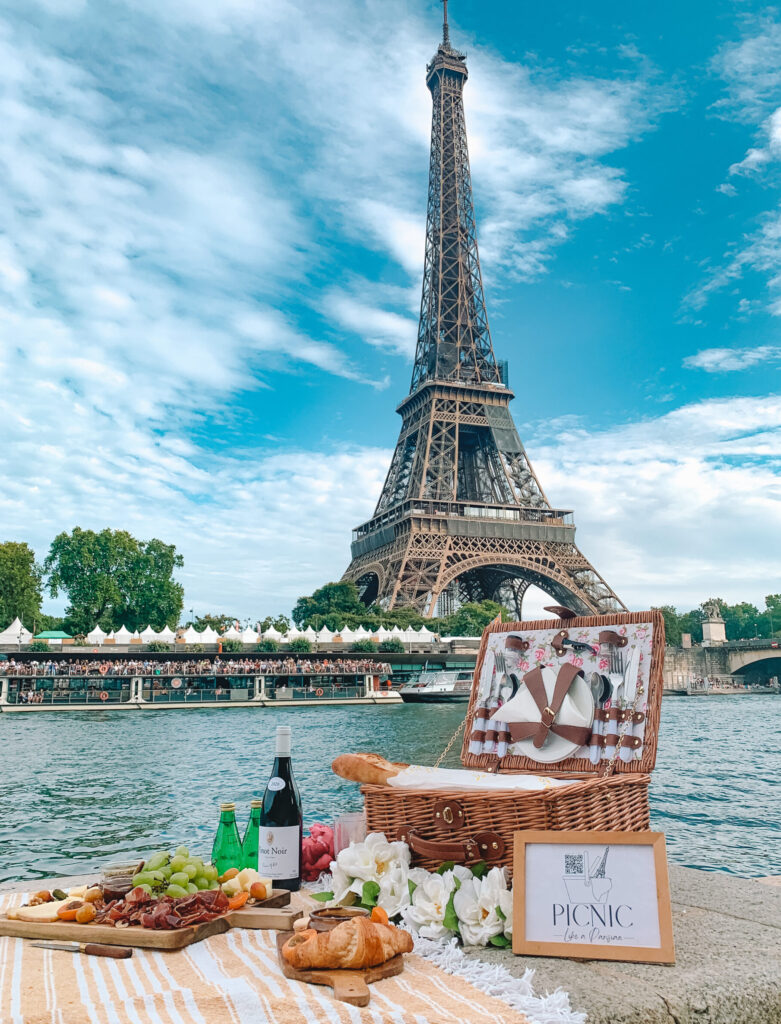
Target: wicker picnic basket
[(467, 826)]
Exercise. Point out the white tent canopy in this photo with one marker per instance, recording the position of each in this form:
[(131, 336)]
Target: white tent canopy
[(166, 634), (272, 634), (310, 634), (96, 635), (231, 634), (209, 636), (192, 636), (148, 635), (325, 636), (249, 636), (123, 635), (16, 633)]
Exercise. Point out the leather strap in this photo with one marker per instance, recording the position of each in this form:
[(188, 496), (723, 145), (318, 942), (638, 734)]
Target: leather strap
[(538, 731), (483, 846), (612, 738), (618, 715), (564, 613), (613, 639), (556, 642)]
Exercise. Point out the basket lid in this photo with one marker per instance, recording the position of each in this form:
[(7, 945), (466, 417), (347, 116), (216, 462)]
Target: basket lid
[(570, 695)]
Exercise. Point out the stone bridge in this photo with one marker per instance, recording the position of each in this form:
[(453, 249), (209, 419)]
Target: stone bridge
[(754, 661)]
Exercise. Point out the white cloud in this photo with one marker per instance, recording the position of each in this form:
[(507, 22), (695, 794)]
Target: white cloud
[(723, 360), (678, 507), (751, 73)]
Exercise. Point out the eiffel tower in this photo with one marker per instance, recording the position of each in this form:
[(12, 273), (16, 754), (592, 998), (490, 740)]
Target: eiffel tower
[(462, 515)]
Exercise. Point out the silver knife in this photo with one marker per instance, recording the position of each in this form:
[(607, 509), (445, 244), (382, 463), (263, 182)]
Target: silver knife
[(90, 948), (630, 690)]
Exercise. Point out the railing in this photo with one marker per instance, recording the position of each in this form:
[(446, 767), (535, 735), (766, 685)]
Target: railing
[(64, 691), (469, 509)]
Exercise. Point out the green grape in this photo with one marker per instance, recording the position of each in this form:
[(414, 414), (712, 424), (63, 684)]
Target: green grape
[(198, 862), (214, 885), (192, 887), (147, 888), (178, 862), (179, 878), (156, 861), (201, 882), (191, 870), (157, 876), (176, 891), (183, 851), (211, 872), (143, 878), (166, 871)]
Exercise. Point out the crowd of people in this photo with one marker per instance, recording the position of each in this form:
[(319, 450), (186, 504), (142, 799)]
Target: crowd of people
[(288, 666)]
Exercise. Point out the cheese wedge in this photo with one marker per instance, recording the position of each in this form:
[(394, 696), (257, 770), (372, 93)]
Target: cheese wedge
[(44, 912), (78, 892)]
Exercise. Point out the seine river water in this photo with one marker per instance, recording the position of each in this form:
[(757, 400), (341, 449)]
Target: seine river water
[(79, 789)]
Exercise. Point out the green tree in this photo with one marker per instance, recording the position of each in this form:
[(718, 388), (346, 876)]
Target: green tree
[(281, 624), (232, 646), (300, 645), (392, 646), (672, 625), (330, 599), (113, 579), (364, 645), (471, 619), (20, 585), (268, 645), (218, 622), (38, 645)]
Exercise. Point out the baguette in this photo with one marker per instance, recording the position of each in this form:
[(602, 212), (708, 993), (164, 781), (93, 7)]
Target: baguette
[(371, 769)]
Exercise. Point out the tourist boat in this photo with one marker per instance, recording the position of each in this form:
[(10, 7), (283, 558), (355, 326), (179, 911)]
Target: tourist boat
[(166, 691), (442, 687)]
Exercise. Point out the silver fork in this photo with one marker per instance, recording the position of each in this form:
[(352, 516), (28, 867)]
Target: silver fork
[(616, 676)]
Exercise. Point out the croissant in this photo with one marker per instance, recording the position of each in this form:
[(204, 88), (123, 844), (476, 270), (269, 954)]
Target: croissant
[(356, 943)]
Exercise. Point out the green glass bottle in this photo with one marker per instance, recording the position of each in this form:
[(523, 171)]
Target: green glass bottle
[(251, 840), (226, 852)]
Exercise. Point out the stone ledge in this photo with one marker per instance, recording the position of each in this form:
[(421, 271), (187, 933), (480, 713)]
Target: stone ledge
[(727, 970)]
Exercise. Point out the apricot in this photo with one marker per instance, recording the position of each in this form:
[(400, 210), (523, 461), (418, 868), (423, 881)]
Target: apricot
[(258, 891), (230, 873), (94, 894), (86, 913), (69, 910), (44, 896)]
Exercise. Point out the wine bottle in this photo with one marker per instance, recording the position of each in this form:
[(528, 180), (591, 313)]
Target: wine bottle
[(279, 844), (226, 852), (249, 843)]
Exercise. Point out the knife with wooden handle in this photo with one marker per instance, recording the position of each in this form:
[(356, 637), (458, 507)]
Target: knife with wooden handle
[(89, 948)]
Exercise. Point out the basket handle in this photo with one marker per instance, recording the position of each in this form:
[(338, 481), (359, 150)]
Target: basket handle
[(483, 846)]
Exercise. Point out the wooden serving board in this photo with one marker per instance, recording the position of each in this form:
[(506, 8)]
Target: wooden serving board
[(349, 986), (273, 912)]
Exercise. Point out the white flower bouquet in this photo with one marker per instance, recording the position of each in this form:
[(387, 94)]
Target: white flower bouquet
[(472, 903)]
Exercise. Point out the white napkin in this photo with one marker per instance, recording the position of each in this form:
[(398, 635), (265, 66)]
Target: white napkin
[(420, 777)]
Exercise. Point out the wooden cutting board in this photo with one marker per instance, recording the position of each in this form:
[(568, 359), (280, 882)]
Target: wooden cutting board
[(349, 986), (273, 912)]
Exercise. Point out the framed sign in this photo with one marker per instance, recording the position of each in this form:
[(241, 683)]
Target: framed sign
[(596, 895)]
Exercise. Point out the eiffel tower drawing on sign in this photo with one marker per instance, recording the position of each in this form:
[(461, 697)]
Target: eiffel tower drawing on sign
[(462, 515)]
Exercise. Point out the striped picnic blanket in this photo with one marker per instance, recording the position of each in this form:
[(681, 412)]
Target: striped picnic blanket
[(228, 979)]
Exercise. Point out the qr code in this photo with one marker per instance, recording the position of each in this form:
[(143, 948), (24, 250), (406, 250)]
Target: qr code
[(573, 863)]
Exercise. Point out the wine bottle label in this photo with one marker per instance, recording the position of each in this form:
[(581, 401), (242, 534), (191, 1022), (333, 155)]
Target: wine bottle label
[(276, 784), (278, 852)]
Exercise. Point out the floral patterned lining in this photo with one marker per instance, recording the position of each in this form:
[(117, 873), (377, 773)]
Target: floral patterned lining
[(540, 654)]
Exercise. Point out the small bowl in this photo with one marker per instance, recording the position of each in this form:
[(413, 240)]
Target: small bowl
[(330, 917)]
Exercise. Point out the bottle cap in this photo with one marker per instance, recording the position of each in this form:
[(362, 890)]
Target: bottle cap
[(256, 803), (283, 730), (229, 806)]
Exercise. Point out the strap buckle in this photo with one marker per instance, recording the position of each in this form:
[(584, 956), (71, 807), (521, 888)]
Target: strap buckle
[(548, 717)]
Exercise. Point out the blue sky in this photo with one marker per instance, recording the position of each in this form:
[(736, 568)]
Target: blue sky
[(211, 243)]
